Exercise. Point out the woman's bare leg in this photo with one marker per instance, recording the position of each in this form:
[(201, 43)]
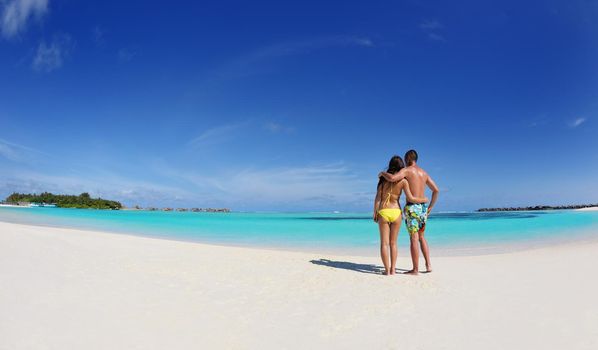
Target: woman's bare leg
[(384, 244), (394, 252)]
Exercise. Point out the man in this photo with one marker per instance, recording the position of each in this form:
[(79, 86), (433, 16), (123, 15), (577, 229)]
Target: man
[(416, 214)]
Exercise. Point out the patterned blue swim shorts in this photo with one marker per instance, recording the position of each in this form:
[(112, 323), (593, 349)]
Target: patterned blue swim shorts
[(416, 215)]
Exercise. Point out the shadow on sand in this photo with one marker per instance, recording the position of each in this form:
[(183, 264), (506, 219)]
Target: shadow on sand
[(345, 265)]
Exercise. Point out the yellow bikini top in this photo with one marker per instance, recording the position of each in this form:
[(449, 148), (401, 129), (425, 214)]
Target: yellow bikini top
[(387, 201)]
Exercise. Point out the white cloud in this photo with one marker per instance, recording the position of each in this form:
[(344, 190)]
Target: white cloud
[(430, 25), (295, 186), (98, 36), (52, 56), (432, 29), (276, 128), (577, 122), (102, 184), (17, 153), (358, 41), (126, 55), (305, 46), (294, 183), (537, 122), (436, 37), (246, 64), (217, 135), (24, 169), (17, 13), (327, 184), (309, 186), (8, 152)]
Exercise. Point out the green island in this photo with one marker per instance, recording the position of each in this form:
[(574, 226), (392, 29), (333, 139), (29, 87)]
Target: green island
[(540, 207), (82, 201)]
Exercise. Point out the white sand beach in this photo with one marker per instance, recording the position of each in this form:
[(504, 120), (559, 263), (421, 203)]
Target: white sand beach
[(588, 209), (70, 289)]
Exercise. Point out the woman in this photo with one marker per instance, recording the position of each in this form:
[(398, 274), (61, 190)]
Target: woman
[(387, 213)]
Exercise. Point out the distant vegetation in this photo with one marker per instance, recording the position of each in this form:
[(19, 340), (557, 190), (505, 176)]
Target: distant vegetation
[(83, 200), (541, 207)]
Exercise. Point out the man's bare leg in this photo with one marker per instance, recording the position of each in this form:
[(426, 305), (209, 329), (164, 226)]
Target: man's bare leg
[(414, 254), (384, 245), (394, 252), (425, 250)]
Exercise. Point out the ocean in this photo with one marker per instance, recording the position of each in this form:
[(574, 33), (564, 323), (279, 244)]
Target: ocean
[(448, 233)]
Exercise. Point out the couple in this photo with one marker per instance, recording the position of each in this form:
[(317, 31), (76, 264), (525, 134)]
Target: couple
[(387, 210)]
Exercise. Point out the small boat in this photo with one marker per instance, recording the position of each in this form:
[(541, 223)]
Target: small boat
[(42, 205)]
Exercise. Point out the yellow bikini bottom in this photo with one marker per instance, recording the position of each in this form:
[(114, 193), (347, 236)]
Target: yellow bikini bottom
[(390, 214)]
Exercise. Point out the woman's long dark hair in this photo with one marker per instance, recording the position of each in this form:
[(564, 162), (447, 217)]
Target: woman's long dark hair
[(394, 166)]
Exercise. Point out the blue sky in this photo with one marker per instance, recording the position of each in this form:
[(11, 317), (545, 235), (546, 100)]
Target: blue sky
[(295, 105)]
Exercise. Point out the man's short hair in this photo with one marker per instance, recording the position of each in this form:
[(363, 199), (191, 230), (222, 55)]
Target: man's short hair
[(411, 157)]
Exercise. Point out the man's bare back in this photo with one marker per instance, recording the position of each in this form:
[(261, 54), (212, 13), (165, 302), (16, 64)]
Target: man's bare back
[(418, 179)]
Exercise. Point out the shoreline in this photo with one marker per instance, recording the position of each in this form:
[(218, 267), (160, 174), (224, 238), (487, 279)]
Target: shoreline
[(14, 206), (492, 248), (588, 209), (107, 290), (537, 208)]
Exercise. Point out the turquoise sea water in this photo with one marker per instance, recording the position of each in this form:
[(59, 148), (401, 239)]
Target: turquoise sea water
[(447, 233)]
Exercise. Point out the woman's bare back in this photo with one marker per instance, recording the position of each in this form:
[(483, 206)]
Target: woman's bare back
[(390, 192)]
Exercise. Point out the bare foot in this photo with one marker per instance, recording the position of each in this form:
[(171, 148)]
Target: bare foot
[(411, 272), (392, 271), (428, 268), (387, 273)]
